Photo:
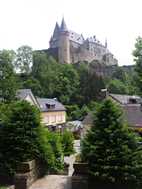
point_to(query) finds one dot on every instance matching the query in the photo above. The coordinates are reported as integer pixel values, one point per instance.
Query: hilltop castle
(69, 47)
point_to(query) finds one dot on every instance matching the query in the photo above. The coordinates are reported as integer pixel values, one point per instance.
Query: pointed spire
(63, 25)
(56, 30)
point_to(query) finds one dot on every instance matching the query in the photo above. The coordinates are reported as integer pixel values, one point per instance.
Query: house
(53, 113)
(132, 107)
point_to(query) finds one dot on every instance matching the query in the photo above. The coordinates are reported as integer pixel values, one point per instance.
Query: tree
(137, 53)
(90, 84)
(118, 87)
(111, 148)
(67, 143)
(24, 59)
(18, 136)
(8, 81)
(57, 80)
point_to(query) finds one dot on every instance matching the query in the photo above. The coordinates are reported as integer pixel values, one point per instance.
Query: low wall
(27, 173)
(80, 176)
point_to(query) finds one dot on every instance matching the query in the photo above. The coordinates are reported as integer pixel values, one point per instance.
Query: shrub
(67, 143)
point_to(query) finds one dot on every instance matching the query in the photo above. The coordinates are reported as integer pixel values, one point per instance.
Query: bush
(55, 141)
(67, 143)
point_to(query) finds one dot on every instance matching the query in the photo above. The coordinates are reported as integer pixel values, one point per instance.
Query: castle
(69, 47)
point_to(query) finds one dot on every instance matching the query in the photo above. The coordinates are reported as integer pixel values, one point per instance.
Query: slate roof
(133, 115)
(43, 102)
(63, 26)
(56, 31)
(132, 111)
(124, 99)
(23, 93)
(75, 37)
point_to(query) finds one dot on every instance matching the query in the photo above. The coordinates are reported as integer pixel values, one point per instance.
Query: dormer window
(133, 101)
(50, 106)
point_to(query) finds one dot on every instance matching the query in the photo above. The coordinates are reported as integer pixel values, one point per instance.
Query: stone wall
(27, 173)
(80, 176)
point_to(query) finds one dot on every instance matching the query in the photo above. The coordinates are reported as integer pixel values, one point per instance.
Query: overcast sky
(31, 22)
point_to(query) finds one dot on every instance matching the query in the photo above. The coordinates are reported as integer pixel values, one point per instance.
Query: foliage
(24, 59)
(122, 81)
(56, 144)
(90, 84)
(22, 138)
(117, 87)
(111, 148)
(18, 136)
(50, 150)
(8, 82)
(57, 80)
(67, 143)
(137, 53)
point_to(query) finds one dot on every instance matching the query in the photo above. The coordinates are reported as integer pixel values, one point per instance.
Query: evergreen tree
(111, 148)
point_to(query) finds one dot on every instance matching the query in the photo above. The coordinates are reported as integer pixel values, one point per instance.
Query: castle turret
(56, 31)
(64, 44)
(54, 39)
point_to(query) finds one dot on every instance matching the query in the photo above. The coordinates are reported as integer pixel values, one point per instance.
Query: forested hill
(77, 86)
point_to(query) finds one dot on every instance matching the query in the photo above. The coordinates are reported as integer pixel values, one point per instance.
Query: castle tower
(64, 44)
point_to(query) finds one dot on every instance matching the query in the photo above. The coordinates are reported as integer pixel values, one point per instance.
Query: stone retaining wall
(80, 176)
(27, 173)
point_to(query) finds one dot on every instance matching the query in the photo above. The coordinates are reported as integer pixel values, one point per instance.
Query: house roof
(75, 37)
(132, 109)
(124, 99)
(23, 93)
(133, 115)
(43, 102)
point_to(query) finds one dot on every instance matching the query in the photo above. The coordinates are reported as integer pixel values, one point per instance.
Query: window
(53, 119)
(60, 118)
(133, 100)
(50, 106)
(46, 119)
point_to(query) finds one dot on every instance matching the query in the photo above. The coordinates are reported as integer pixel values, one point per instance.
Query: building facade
(53, 113)
(70, 47)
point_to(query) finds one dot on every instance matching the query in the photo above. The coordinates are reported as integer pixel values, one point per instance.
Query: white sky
(31, 22)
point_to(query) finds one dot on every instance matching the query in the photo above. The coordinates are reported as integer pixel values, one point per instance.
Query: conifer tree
(112, 149)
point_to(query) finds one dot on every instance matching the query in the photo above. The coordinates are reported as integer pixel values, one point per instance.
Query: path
(53, 182)
(58, 181)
